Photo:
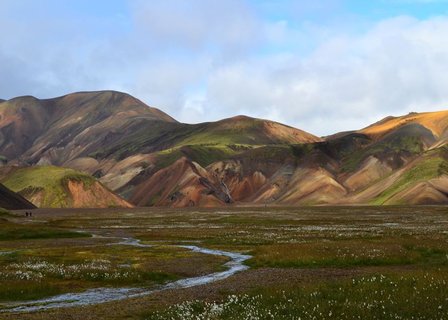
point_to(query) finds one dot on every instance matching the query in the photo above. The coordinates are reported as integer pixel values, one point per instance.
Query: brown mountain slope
(182, 184)
(111, 125)
(312, 186)
(21, 121)
(59, 129)
(252, 177)
(421, 181)
(433, 191)
(401, 166)
(371, 170)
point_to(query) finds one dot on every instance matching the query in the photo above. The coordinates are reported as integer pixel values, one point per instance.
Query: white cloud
(204, 60)
(398, 66)
(199, 25)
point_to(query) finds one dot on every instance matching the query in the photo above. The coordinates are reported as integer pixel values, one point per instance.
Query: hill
(55, 187)
(246, 131)
(60, 129)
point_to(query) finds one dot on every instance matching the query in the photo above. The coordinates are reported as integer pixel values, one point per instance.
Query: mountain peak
(240, 117)
(26, 98)
(107, 101)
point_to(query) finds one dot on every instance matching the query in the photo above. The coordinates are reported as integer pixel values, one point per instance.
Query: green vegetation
(349, 253)
(15, 290)
(410, 144)
(242, 131)
(430, 167)
(48, 183)
(38, 278)
(268, 153)
(300, 150)
(78, 177)
(443, 168)
(218, 137)
(207, 154)
(202, 154)
(5, 213)
(13, 231)
(369, 297)
(21, 233)
(167, 157)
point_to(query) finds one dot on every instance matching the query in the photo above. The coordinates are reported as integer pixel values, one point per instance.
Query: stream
(102, 295)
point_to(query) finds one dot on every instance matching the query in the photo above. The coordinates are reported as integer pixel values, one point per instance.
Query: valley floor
(307, 262)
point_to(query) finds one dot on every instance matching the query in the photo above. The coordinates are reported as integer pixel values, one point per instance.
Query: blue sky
(323, 66)
(382, 9)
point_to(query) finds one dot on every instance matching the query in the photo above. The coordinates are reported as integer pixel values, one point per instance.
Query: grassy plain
(308, 262)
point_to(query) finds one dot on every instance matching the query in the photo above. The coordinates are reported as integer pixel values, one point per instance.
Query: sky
(323, 66)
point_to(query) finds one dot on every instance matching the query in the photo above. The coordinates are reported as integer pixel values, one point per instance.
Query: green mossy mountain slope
(56, 187)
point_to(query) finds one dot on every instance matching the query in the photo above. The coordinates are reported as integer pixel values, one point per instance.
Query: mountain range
(102, 149)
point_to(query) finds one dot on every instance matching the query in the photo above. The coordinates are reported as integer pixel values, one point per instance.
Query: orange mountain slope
(436, 122)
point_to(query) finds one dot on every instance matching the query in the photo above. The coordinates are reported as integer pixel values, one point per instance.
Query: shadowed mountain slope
(13, 201)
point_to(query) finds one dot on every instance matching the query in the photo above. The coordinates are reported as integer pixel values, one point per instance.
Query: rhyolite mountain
(147, 158)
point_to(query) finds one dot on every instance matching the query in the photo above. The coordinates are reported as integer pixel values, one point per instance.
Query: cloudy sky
(322, 66)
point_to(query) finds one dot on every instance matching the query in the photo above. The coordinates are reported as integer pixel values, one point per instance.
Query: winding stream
(102, 295)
